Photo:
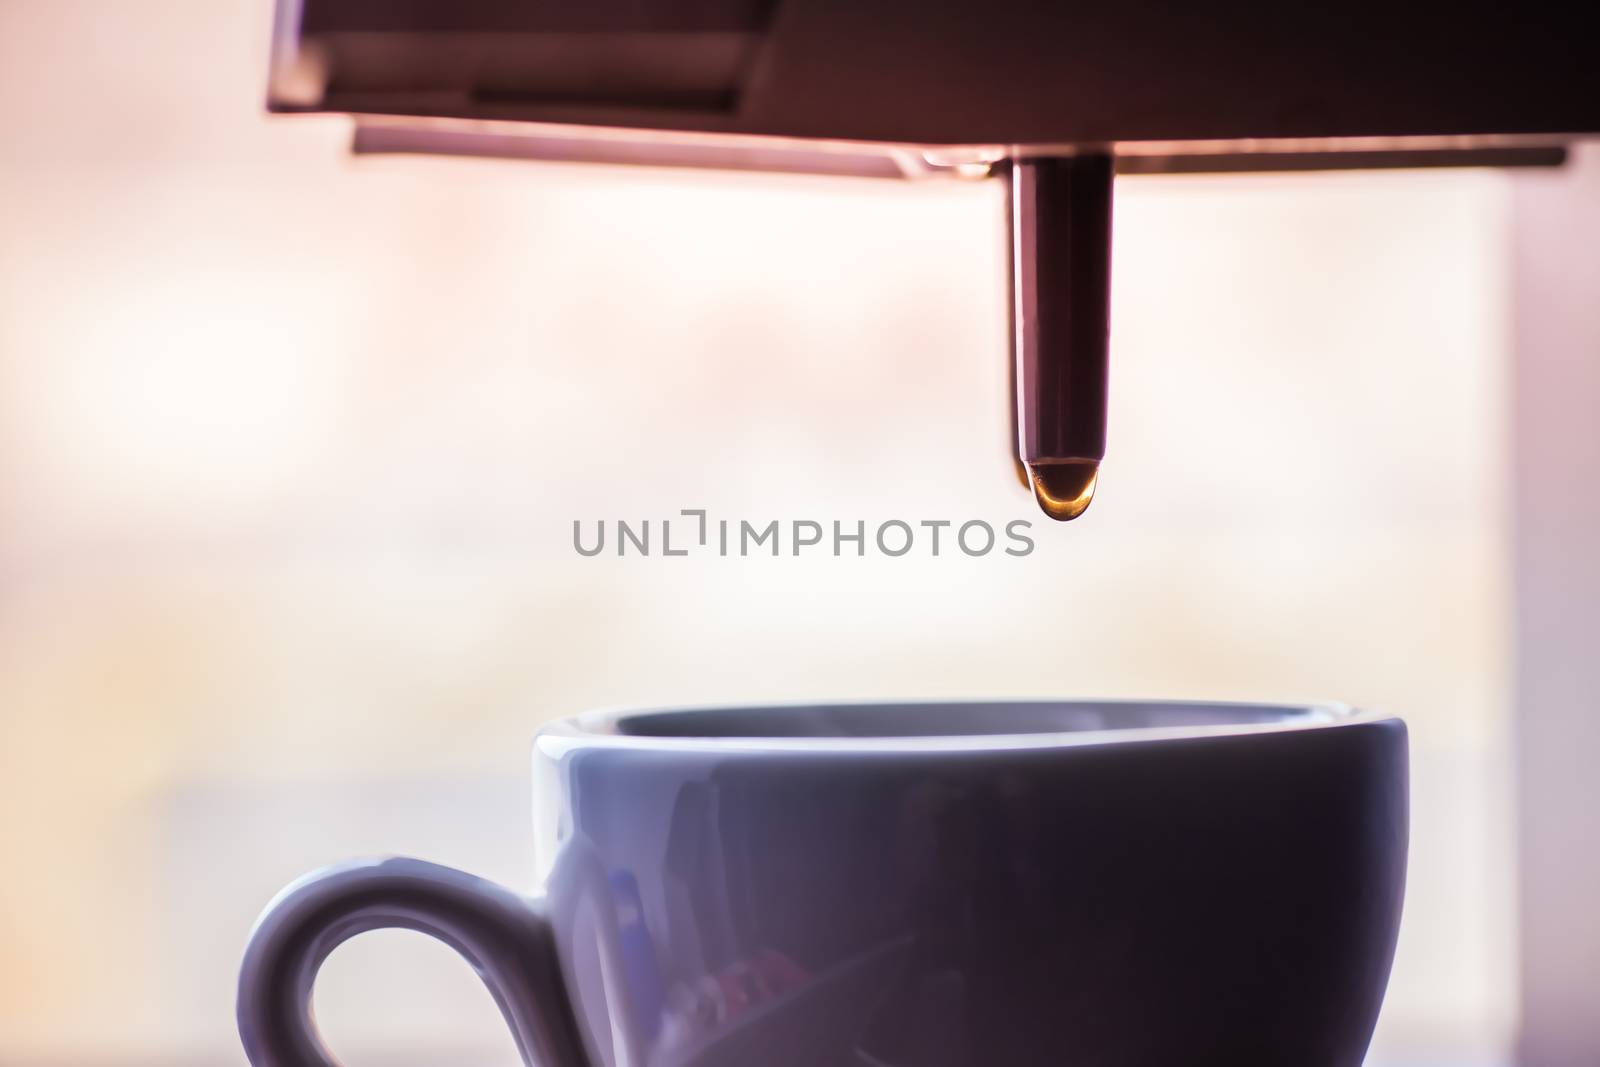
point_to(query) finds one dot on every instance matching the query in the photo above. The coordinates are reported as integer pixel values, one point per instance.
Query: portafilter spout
(1060, 265)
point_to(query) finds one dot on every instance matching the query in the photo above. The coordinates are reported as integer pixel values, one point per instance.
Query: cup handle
(505, 936)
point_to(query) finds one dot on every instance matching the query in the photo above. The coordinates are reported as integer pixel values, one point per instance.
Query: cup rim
(605, 728)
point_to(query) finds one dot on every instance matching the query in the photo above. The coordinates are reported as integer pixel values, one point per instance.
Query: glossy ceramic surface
(1126, 885)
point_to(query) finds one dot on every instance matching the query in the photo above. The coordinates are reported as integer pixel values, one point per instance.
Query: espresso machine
(1053, 99)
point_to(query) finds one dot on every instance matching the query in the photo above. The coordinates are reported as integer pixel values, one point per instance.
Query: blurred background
(291, 445)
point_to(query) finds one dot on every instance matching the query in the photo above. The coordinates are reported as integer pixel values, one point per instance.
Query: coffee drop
(1064, 487)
